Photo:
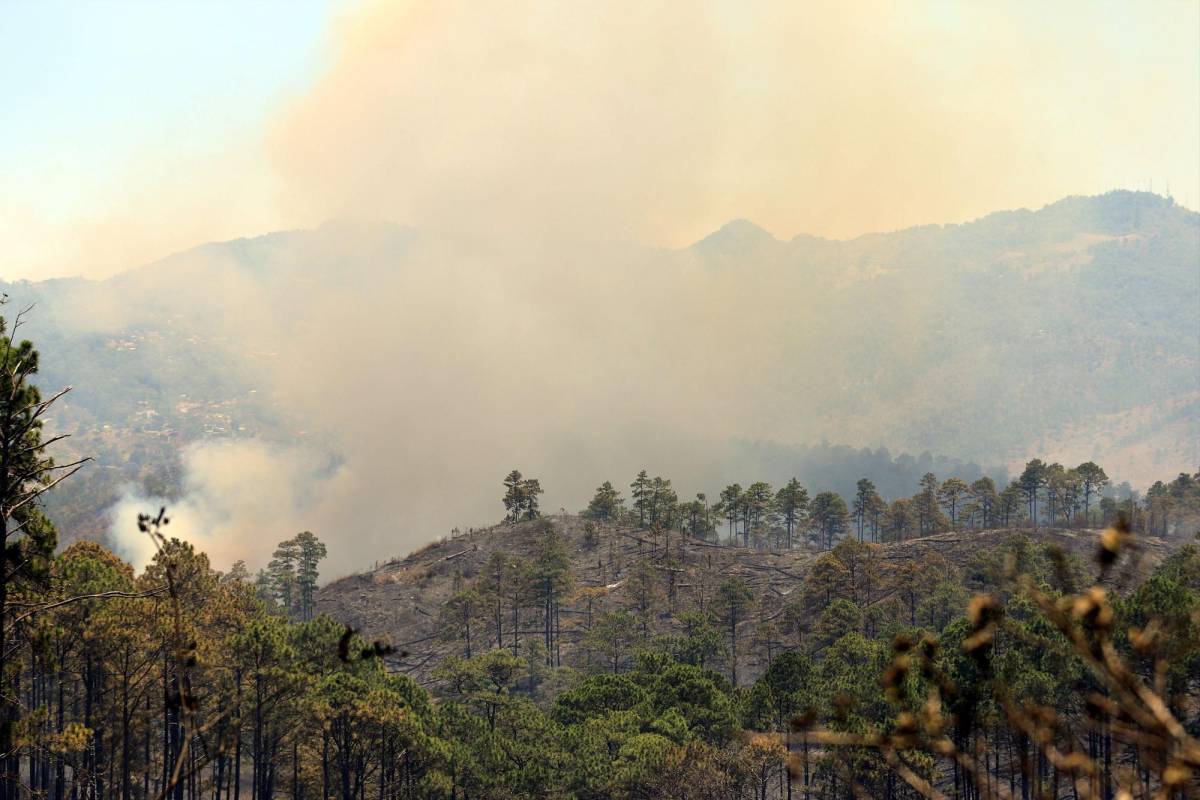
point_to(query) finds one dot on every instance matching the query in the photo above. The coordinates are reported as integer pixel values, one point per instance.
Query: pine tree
(757, 506)
(309, 552)
(237, 572)
(899, 519)
(641, 492)
(521, 497)
(517, 586)
(1010, 503)
(646, 594)
(1056, 477)
(694, 515)
(662, 502)
(862, 504)
(925, 504)
(731, 505)
(877, 509)
(494, 587)
(1070, 495)
(733, 603)
(792, 503)
(606, 505)
(1094, 479)
(551, 579)
(1032, 481)
(283, 576)
(514, 496)
(950, 495)
(27, 538)
(530, 489)
(983, 492)
(829, 517)
(457, 615)
(613, 635)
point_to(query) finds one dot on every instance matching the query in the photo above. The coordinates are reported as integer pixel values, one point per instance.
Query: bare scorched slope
(402, 600)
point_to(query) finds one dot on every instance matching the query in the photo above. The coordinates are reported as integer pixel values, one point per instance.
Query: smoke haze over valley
(307, 375)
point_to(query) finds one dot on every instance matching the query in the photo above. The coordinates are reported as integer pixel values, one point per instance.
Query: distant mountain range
(1069, 333)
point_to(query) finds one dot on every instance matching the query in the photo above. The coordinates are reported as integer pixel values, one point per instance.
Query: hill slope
(406, 600)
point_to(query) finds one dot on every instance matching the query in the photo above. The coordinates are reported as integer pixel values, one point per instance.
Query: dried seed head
(1045, 715)
(929, 647)
(978, 644)
(895, 674)
(842, 704)
(893, 679)
(1078, 762)
(982, 610)
(1093, 608)
(1144, 640)
(1098, 705)
(1112, 540)
(931, 715)
(804, 721)
(1176, 774)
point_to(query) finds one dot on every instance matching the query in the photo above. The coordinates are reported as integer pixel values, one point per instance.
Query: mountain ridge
(1070, 333)
(737, 230)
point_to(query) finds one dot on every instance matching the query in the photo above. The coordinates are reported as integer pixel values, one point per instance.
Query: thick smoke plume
(539, 152)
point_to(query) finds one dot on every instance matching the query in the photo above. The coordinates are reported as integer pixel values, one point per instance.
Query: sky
(138, 129)
(134, 129)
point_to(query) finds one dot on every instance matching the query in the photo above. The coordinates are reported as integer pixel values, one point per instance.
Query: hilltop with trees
(655, 566)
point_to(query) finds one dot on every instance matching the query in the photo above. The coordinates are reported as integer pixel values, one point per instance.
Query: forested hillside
(953, 664)
(627, 585)
(656, 568)
(965, 641)
(1070, 332)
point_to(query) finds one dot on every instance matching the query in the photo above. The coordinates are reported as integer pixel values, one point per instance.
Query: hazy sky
(136, 129)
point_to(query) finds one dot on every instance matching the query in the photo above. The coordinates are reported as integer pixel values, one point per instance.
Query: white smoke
(241, 497)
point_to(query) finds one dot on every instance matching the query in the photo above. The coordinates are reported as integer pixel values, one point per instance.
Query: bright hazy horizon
(140, 130)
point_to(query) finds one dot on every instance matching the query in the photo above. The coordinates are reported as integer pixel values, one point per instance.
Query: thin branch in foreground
(97, 596)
